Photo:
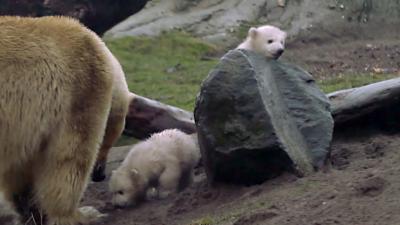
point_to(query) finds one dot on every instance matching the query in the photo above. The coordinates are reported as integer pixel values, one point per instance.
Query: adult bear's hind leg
(63, 175)
(115, 126)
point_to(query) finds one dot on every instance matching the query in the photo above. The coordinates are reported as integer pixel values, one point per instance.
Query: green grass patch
(125, 140)
(168, 68)
(171, 67)
(204, 221)
(347, 81)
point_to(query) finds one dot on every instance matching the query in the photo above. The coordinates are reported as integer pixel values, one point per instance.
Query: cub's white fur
(266, 40)
(165, 161)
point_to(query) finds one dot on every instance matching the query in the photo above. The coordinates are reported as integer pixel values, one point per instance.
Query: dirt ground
(372, 56)
(360, 187)
(345, 53)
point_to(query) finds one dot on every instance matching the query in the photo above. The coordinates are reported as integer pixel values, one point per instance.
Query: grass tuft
(168, 68)
(204, 221)
(347, 81)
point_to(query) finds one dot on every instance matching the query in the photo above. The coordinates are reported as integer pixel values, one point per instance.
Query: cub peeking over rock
(165, 161)
(266, 40)
(62, 94)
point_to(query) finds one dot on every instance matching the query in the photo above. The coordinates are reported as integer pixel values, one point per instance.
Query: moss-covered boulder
(257, 117)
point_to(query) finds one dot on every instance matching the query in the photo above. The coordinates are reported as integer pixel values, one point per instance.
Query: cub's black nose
(278, 53)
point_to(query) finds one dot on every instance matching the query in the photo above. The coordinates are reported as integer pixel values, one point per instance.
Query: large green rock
(257, 117)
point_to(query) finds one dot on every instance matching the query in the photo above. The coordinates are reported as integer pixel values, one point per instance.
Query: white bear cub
(165, 162)
(266, 40)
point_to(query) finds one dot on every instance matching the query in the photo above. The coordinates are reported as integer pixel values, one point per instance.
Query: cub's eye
(270, 41)
(120, 192)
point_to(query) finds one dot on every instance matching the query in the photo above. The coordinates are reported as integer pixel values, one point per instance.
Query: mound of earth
(359, 188)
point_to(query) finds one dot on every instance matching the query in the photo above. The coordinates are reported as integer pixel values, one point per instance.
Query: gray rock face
(97, 15)
(257, 117)
(214, 20)
(209, 19)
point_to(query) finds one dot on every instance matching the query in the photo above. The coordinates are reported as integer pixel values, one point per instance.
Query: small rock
(369, 46)
(332, 6)
(281, 3)
(371, 187)
(173, 69)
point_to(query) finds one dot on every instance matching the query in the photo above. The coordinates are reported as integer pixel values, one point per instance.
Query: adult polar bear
(59, 84)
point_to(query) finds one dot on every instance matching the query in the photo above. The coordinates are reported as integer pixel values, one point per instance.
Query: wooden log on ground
(147, 116)
(354, 103)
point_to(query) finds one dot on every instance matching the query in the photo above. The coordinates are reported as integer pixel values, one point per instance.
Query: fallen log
(354, 103)
(147, 116)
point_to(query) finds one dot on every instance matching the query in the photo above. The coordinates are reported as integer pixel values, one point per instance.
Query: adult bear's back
(51, 68)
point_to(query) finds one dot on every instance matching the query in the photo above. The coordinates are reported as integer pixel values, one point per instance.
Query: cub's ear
(252, 32)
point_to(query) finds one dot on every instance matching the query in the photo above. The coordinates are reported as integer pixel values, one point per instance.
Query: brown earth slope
(360, 188)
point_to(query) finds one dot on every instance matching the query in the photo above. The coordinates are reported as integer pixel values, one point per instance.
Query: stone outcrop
(218, 21)
(97, 15)
(258, 117)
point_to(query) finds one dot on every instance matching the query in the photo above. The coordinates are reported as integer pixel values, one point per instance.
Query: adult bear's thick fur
(58, 85)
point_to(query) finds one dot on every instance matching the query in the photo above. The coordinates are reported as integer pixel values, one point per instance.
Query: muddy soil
(344, 52)
(360, 187)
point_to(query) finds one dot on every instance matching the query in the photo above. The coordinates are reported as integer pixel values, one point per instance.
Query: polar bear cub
(165, 162)
(266, 40)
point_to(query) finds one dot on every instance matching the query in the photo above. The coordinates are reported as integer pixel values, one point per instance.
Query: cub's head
(267, 40)
(127, 187)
